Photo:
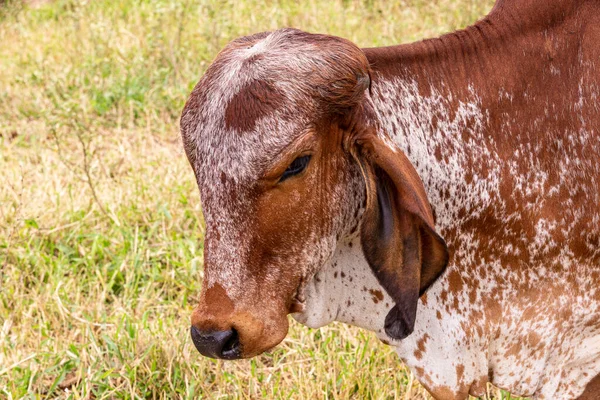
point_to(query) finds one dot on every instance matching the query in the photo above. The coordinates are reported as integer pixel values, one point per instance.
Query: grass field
(100, 222)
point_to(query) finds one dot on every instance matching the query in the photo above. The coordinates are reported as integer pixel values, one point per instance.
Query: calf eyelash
(296, 167)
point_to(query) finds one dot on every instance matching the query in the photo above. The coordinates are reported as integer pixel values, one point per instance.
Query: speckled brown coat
(450, 203)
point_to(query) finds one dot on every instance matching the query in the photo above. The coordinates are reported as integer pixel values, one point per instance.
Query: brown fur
(592, 390)
(257, 99)
(523, 250)
(397, 233)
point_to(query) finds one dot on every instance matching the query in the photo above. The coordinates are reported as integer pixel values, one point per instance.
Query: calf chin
(316, 313)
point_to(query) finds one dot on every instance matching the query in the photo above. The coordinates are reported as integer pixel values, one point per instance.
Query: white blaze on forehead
(215, 147)
(295, 64)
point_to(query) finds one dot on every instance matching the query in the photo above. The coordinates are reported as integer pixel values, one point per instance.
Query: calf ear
(397, 232)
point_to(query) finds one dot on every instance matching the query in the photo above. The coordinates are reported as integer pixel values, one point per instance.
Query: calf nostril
(217, 344)
(231, 348)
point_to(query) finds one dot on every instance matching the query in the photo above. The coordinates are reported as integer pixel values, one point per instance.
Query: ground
(100, 220)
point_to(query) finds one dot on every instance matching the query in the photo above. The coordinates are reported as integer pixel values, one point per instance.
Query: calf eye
(297, 166)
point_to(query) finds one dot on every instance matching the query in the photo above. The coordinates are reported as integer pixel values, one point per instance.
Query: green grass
(101, 234)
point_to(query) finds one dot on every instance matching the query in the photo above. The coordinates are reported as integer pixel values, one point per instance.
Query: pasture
(100, 220)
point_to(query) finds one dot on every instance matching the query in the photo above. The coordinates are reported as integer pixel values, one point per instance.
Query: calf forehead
(228, 164)
(245, 108)
(234, 139)
(260, 93)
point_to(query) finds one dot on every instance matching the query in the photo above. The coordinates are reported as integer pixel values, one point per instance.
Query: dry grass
(100, 224)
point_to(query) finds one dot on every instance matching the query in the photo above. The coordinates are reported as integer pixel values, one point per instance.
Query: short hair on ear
(398, 236)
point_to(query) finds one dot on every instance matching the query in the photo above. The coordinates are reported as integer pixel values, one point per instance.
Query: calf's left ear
(397, 232)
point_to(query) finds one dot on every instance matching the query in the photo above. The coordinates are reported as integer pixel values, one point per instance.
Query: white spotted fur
(544, 376)
(566, 355)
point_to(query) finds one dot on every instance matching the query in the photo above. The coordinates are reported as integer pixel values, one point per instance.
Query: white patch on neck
(408, 119)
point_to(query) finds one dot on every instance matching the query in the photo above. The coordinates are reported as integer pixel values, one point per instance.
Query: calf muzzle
(217, 344)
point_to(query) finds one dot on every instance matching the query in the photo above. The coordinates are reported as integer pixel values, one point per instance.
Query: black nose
(217, 344)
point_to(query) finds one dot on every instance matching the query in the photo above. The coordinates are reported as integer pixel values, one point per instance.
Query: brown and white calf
(443, 194)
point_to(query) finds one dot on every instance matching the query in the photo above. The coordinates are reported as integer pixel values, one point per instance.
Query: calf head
(287, 153)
